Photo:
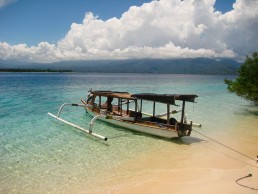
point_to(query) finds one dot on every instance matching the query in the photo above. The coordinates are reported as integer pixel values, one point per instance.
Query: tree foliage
(246, 84)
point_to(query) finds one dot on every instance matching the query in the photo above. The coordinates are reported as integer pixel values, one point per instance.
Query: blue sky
(56, 26)
(34, 21)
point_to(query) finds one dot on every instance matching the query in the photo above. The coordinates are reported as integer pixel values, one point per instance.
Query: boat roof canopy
(165, 98)
(113, 94)
(162, 98)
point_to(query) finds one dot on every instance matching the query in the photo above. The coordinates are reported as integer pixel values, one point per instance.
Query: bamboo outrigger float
(126, 110)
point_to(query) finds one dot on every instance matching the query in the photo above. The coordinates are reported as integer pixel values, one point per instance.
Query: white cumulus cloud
(6, 2)
(159, 29)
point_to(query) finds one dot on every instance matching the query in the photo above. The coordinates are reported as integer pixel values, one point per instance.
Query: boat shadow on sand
(188, 140)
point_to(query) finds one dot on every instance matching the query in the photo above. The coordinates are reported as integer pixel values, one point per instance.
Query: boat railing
(159, 125)
(162, 114)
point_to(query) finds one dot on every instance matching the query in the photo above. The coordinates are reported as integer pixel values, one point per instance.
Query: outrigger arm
(76, 126)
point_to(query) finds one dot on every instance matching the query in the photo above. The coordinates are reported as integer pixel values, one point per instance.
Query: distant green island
(204, 66)
(35, 70)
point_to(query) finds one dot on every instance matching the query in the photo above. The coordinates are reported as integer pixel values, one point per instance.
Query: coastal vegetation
(246, 84)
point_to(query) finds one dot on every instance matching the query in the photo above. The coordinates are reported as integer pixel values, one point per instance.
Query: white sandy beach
(213, 169)
(198, 180)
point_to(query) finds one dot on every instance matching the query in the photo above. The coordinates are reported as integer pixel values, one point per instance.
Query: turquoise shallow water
(39, 154)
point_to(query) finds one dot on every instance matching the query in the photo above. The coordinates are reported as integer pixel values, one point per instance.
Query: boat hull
(134, 126)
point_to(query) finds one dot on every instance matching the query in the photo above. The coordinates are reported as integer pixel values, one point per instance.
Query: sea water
(39, 154)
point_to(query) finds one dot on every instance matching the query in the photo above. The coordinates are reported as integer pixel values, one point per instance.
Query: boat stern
(184, 129)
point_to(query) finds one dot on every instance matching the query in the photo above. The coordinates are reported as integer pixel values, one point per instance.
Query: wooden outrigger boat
(126, 110)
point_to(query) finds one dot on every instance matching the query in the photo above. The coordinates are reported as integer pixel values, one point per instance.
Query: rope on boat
(249, 175)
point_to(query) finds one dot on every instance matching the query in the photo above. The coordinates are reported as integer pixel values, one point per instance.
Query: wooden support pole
(168, 113)
(127, 110)
(99, 102)
(183, 113)
(154, 109)
(120, 105)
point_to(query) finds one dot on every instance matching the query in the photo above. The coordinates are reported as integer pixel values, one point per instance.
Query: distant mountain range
(169, 66)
